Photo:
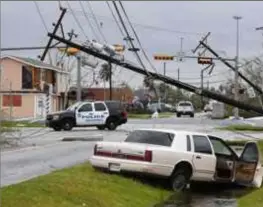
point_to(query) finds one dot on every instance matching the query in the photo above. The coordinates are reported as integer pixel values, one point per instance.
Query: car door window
(86, 108)
(250, 153)
(220, 147)
(99, 107)
(202, 144)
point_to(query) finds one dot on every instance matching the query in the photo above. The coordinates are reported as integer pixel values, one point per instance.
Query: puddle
(205, 196)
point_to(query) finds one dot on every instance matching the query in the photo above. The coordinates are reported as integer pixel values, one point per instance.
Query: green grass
(244, 127)
(148, 116)
(81, 185)
(252, 197)
(20, 124)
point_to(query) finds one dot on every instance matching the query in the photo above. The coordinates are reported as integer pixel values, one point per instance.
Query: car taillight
(95, 149)
(148, 156)
(124, 114)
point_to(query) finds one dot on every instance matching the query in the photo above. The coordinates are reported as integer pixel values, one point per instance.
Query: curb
(83, 139)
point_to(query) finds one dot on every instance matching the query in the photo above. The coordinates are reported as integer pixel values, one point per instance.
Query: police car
(108, 114)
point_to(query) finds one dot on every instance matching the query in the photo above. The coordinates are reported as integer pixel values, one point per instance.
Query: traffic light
(205, 60)
(163, 57)
(119, 48)
(69, 51)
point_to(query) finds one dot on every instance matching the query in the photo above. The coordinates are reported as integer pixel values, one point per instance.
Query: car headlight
(56, 117)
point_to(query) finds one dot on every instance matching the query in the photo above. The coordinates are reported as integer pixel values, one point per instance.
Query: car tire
(111, 124)
(67, 124)
(57, 128)
(101, 127)
(178, 115)
(192, 115)
(179, 179)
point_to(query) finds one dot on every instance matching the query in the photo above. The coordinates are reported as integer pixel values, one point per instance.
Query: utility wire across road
(160, 77)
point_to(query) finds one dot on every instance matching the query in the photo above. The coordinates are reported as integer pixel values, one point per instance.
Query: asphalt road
(42, 151)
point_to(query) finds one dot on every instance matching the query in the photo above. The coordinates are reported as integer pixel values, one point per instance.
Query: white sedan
(181, 156)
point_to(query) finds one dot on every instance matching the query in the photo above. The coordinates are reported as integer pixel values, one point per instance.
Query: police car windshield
(72, 107)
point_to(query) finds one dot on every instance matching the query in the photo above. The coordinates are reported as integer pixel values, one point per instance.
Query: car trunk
(123, 150)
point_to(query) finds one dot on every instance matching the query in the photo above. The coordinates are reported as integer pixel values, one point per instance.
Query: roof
(35, 63)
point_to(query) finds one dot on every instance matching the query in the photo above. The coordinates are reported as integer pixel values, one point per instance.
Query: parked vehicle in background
(102, 114)
(185, 108)
(208, 107)
(180, 157)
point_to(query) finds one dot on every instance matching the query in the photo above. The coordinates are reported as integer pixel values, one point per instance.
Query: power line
(89, 22)
(157, 28)
(136, 36)
(41, 16)
(96, 21)
(128, 36)
(133, 47)
(115, 19)
(45, 26)
(76, 20)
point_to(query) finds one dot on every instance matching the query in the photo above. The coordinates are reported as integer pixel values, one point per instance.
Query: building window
(27, 82)
(12, 100)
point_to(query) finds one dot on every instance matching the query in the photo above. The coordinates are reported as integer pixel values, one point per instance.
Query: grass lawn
(148, 116)
(244, 127)
(255, 197)
(81, 185)
(20, 124)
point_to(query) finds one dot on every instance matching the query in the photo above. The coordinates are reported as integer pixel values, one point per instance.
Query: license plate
(114, 167)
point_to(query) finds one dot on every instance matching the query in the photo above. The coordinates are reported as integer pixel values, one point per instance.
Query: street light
(237, 18)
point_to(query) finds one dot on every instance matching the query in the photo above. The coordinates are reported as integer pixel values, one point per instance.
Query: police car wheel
(111, 125)
(101, 127)
(57, 128)
(67, 125)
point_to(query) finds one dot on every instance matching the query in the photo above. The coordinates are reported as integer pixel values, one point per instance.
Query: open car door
(248, 169)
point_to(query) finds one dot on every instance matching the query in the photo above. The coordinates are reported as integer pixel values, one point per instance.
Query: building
(24, 83)
(124, 94)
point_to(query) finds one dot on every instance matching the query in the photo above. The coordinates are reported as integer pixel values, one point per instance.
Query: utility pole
(181, 55)
(202, 83)
(10, 101)
(110, 79)
(164, 73)
(236, 111)
(79, 78)
(178, 74)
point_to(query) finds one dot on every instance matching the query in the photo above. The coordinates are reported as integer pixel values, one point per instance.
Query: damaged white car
(180, 156)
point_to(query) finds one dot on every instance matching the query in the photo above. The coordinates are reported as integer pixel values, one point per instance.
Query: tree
(148, 82)
(105, 72)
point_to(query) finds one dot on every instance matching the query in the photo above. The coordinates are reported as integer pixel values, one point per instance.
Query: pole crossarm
(161, 77)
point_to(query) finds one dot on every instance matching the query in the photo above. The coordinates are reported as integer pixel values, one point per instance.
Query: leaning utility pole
(157, 76)
(42, 58)
(236, 111)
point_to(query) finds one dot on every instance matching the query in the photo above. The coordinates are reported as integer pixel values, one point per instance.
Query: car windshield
(72, 107)
(150, 137)
(185, 104)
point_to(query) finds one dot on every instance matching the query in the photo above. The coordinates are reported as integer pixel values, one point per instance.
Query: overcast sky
(159, 25)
